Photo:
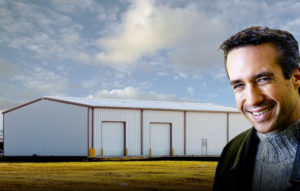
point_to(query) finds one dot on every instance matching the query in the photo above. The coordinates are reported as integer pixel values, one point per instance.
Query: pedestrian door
(204, 146)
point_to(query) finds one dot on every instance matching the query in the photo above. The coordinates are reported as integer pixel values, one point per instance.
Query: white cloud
(88, 84)
(24, 83)
(212, 95)
(293, 26)
(47, 34)
(84, 57)
(7, 69)
(7, 103)
(219, 73)
(149, 26)
(190, 90)
(40, 82)
(274, 14)
(72, 6)
(136, 94)
(71, 39)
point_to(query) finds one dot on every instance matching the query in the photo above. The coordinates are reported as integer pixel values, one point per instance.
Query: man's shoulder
(233, 153)
(240, 141)
(241, 138)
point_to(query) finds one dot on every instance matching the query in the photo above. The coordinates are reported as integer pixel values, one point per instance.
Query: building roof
(135, 104)
(146, 104)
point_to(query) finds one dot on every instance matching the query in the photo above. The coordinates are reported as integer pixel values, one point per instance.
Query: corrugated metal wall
(206, 132)
(90, 130)
(237, 124)
(205, 126)
(46, 128)
(132, 119)
(176, 118)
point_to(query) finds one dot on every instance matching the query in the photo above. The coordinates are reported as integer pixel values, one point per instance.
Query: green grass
(113, 175)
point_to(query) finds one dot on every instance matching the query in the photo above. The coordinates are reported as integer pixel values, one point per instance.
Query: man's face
(262, 94)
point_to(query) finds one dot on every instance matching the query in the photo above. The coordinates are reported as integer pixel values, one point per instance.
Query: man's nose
(253, 95)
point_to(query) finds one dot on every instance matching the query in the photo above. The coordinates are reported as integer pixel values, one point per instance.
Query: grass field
(112, 175)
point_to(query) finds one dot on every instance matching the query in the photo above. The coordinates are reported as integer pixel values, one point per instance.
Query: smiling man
(262, 65)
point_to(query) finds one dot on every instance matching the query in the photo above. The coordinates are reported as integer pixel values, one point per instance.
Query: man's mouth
(261, 115)
(261, 112)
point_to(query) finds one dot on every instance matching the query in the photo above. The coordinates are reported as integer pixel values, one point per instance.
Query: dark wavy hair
(284, 42)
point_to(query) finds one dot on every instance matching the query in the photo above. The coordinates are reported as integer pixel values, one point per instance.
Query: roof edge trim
(45, 98)
(66, 102)
(23, 105)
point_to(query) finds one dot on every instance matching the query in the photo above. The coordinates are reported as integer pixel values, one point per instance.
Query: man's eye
(262, 80)
(237, 86)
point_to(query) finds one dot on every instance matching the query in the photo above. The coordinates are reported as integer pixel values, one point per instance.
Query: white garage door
(113, 138)
(160, 139)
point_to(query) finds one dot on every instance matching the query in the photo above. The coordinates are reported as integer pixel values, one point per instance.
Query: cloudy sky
(126, 49)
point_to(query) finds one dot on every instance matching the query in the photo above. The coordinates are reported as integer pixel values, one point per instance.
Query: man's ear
(296, 78)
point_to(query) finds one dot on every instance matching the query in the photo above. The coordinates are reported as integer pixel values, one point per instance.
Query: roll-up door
(160, 139)
(113, 138)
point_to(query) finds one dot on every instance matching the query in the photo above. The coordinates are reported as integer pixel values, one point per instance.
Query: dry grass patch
(129, 175)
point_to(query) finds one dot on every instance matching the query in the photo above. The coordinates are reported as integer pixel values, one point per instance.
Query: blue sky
(126, 49)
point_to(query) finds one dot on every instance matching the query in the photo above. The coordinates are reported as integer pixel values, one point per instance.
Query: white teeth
(260, 113)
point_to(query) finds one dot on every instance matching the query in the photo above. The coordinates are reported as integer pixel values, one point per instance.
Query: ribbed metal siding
(132, 119)
(90, 127)
(210, 126)
(237, 124)
(176, 118)
(46, 128)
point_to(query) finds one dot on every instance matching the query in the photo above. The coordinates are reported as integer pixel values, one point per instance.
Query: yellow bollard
(102, 152)
(92, 152)
(126, 152)
(173, 151)
(150, 152)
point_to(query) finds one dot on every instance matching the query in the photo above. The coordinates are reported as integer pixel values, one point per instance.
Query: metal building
(66, 126)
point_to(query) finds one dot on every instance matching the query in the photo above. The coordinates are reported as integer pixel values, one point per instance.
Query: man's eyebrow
(233, 82)
(264, 74)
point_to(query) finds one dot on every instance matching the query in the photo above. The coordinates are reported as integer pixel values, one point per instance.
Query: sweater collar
(293, 129)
